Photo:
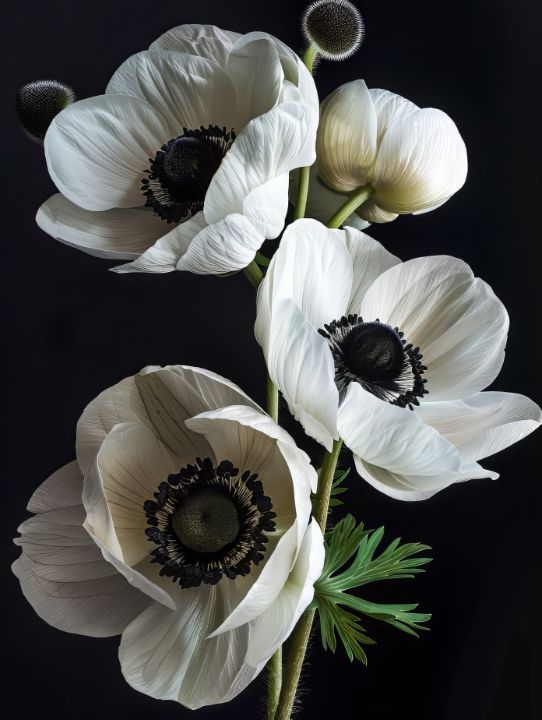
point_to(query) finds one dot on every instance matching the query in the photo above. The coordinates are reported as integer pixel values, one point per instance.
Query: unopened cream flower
(411, 160)
(183, 525)
(183, 163)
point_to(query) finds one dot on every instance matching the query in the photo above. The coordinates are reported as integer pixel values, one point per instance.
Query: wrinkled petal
(170, 656)
(314, 269)
(393, 438)
(421, 162)
(62, 572)
(300, 363)
(456, 320)
(118, 234)
(346, 143)
(163, 256)
(483, 424)
(206, 41)
(187, 91)
(369, 260)
(269, 146)
(225, 246)
(98, 149)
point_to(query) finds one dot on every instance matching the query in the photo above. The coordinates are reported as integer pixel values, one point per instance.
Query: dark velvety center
(189, 164)
(373, 352)
(206, 521)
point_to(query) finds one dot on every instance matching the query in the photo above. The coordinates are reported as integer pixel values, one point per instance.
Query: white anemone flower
(413, 159)
(391, 357)
(183, 525)
(183, 163)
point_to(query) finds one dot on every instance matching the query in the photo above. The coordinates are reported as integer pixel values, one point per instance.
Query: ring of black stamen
(189, 566)
(182, 170)
(378, 357)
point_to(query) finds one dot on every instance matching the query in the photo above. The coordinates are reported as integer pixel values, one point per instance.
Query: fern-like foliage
(352, 562)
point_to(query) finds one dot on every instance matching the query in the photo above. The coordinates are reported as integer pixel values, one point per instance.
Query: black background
(73, 328)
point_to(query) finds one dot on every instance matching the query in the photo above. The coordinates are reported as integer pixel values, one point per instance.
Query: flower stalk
(354, 201)
(304, 172)
(254, 274)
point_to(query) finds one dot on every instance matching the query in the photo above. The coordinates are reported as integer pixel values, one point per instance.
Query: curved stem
(302, 632)
(356, 199)
(304, 172)
(254, 274)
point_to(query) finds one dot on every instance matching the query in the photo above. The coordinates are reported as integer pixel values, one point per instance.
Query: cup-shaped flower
(412, 159)
(183, 163)
(391, 357)
(183, 525)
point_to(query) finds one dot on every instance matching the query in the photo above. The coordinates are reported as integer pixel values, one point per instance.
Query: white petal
(225, 246)
(275, 625)
(186, 90)
(483, 424)
(421, 162)
(266, 206)
(373, 213)
(323, 202)
(417, 487)
(98, 149)
(393, 438)
(168, 655)
(206, 41)
(456, 320)
(369, 260)
(314, 269)
(300, 363)
(346, 143)
(269, 146)
(63, 573)
(255, 71)
(389, 108)
(131, 464)
(163, 256)
(118, 234)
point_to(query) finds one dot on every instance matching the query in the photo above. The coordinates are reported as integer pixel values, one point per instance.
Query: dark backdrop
(73, 328)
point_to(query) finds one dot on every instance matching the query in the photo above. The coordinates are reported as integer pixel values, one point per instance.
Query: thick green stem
(254, 274)
(302, 632)
(304, 172)
(356, 199)
(272, 399)
(274, 669)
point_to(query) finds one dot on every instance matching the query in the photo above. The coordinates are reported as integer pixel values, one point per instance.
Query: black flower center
(378, 357)
(208, 522)
(182, 170)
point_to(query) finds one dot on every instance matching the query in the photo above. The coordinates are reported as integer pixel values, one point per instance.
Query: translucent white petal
(206, 41)
(393, 438)
(456, 320)
(98, 149)
(373, 213)
(314, 269)
(389, 108)
(417, 487)
(269, 146)
(62, 572)
(266, 206)
(163, 255)
(168, 655)
(225, 246)
(187, 91)
(421, 162)
(118, 234)
(323, 202)
(369, 260)
(346, 143)
(483, 424)
(299, 362)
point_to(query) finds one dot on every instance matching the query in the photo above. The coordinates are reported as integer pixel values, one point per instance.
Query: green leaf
(352, 562)
(336, 488)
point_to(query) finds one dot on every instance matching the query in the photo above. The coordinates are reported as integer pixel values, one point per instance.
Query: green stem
(272, 399)
(302, 632)
(304, 172)
(254, 274)
(356, 199)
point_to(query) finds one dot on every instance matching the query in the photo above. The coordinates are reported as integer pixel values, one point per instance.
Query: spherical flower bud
(412, 159)
(334, 27)
(39, 102)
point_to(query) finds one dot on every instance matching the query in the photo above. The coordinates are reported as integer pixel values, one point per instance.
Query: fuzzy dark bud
(39, 102)
(334, 27)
